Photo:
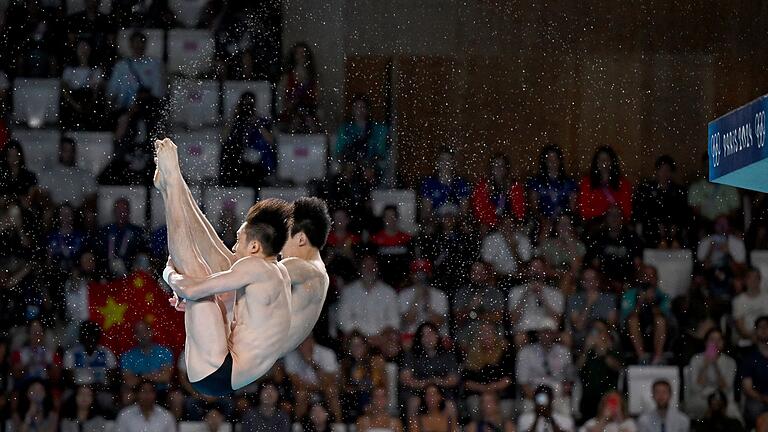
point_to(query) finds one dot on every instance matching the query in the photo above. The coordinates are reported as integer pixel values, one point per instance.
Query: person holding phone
(611, 417)
(543, 418)
(711, 371)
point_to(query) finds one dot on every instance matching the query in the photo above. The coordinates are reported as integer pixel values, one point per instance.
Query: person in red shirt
(498, 195)
(604, 187)
(394, 248)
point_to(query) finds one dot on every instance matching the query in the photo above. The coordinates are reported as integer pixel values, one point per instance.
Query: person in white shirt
(145, 415)
(710, 371)
(368, 304)
(534, 303)
(313, 369)
(543, 418)
(65, 181)
(546, 363)
(665, 417)
(612, 416)
(506, 248)
(422, 302)
(748, 307)
(718, 249)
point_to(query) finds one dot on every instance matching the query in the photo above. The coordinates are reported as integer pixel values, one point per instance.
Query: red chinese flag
(118, 305)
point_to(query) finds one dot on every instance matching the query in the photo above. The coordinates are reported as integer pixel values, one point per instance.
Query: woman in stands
(299, 91)
(362, 139)
(35, 412)
(319, 419)
(248, 154)
(604, 187)
(434, 416)
(15, 178)
(361, 372)
(498, 194)
(611, 416)
(82, 93)
(79, 414)
(552, 192)
(377, 417)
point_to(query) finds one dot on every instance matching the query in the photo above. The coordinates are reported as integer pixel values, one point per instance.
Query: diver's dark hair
(310, 216)
(267, 223)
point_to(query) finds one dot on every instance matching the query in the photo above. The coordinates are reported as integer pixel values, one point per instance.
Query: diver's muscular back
(262, 317)
(309, 286)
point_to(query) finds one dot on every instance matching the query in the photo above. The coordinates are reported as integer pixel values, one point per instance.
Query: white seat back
(94, 149)
(36, 101)
(675, 269)
(190, 52)
(41, 147)
(759, 259)
(301, 158)
(195, 103)
(155, 42)
(216, 198)
(199, 154)
(640, 380)
(187, 12)
(404, 199)
(262, 90)
(288, 194)
(137, 196)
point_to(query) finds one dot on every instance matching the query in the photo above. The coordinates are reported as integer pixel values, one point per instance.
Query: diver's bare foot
(168, 170)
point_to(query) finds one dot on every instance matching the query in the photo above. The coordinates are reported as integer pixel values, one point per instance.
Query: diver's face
(241, 245)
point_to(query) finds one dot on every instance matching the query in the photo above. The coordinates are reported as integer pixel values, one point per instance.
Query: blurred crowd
(507, 303)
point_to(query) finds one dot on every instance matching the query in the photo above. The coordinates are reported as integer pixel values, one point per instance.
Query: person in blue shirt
(444, 186)
(551, 192)
(148, 361)
(361, 139)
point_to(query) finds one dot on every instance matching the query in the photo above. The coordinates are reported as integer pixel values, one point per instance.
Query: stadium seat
(157, 217)
(187, 12)
(36, 101)
(198, 426)
(199, 154)
(94, 149)
(301, 158)
(41, 147)
(759, 260)
(76, 6)
(640, 379)
(216, 198)
(288, 194)
(155, 42)
(404, 199)
(675, 268)
(262, 90)
(190, 52)
(194, 103)
(137, 195)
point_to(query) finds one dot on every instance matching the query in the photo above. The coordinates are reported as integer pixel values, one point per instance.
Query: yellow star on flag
(138, 282)
(112, 312)
(149, 298)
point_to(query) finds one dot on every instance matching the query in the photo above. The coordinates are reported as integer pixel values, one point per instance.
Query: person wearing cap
(543, 418)
(422, 302)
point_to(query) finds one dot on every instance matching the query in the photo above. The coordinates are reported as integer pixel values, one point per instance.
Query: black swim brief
(218, 383)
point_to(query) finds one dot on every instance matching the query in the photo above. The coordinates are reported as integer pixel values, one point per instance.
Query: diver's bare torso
(309, 286)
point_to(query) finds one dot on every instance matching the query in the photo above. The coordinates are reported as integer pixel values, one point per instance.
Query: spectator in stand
(534, 304)
(66, 181)
(266, 417)
(645, 312)
(299, 88)
(65, 244)
(488, 368)
(480, 301)
(613, 416)
(36, 359)
(145, 414)
(313, 369)
(660, 203)
(75, 296)
(35, 410)
(614, 249)
(368, 304)
(342, 240)
(377, 417)
(434, 415)
(748, 307)
(132, 75)
(457, 248)
(543, 418)
(422, 302)
(33, 38)
(754, 372)
(428, 363)
(562, 248)
(121, 240)
(79, 414)
(444, 186)
(552, 192)
(507, 249)
(393, 246)
(15, 178)
(83, 105)
(319, 419)
(148, 361)
(91, 364)
(361, 372)
(351, 190)
(710, 200)
(664, 417)
(248, 155)
(96, 29)
(588, 305)
(499, 196)
(545, 362)
(491, 418)
(711, 371)
(604, 187)
(362, 139)
(723, 255)
(716, 418)
(599, 365)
